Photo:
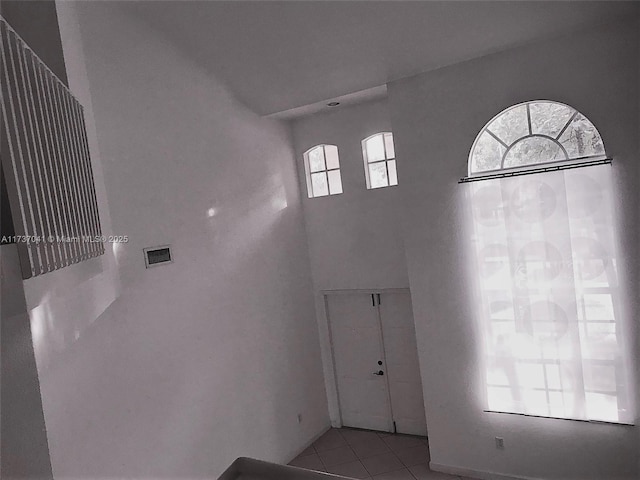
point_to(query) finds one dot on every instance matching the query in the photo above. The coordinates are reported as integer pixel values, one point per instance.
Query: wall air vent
(155, 256)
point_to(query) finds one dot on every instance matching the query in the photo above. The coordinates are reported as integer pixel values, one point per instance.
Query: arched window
(379, 158)
(534, 133)
(543, 239)
(322, 167)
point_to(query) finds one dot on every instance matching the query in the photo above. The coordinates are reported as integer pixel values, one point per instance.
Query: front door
(401, 351)
(376, 361)
(359, 361)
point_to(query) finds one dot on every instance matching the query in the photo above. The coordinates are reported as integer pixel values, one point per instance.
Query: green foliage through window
(533, 133)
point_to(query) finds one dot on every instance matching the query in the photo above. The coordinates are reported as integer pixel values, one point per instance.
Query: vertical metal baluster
(56, 219)
(8, 110)
(44, 229)
(66, 165)
(30, 222)
(94, 222)
(29, 160)
(94, 198)
(58, 162)
(49, 154)
(85, 168)
(74, 163)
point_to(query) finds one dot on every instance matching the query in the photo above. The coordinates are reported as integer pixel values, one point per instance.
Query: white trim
(581, 420)
(333, 397)
(365, 290)
(528, 165)
(367, 178)
(332, 358)
(365, 158)
(313, 440)
(479, 474)
(308, 172)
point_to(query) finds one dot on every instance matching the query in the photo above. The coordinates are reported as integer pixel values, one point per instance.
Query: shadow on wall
(24, 452)
(172, 375)
(258, 211)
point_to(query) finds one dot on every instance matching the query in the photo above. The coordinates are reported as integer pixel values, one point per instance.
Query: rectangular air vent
(155, 256)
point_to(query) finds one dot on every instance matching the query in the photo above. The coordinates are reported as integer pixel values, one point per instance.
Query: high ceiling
(280, 56)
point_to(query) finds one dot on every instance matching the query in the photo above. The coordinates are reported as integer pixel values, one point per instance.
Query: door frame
(326, 344)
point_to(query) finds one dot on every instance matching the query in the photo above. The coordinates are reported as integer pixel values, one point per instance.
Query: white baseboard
(312, 441)
(467, 472)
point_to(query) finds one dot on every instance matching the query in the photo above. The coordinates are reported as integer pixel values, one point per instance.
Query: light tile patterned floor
(371, 455)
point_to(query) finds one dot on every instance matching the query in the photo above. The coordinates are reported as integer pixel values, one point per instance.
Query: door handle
(379, 372)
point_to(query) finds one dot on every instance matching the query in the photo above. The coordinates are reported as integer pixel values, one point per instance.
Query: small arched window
(322, 167)
(534, 133)
(379, 158)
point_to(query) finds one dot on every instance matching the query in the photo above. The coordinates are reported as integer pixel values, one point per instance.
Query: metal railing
(45, 157)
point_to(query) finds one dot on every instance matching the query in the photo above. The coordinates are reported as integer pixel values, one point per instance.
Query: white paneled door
(376, 361)
(405, 384)
(359, 362)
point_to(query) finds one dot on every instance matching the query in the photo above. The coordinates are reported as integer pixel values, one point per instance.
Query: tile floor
(371, 455)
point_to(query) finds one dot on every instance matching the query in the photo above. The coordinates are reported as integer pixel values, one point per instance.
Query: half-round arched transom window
(534, 133)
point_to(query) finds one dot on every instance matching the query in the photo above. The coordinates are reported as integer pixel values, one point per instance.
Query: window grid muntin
(507, 147)
(533, 135)
(309, 174)
(387, 158)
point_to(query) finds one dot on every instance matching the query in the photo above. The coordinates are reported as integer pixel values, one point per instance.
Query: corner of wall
(65, 302)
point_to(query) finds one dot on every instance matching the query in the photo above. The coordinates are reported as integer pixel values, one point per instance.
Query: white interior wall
(156, 375)
(24, 452)
(64, 303)
(354, 238)
(436, 117)
(211, 357)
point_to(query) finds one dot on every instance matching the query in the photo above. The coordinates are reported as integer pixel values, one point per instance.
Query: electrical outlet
(500, 443)
(299, 418)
